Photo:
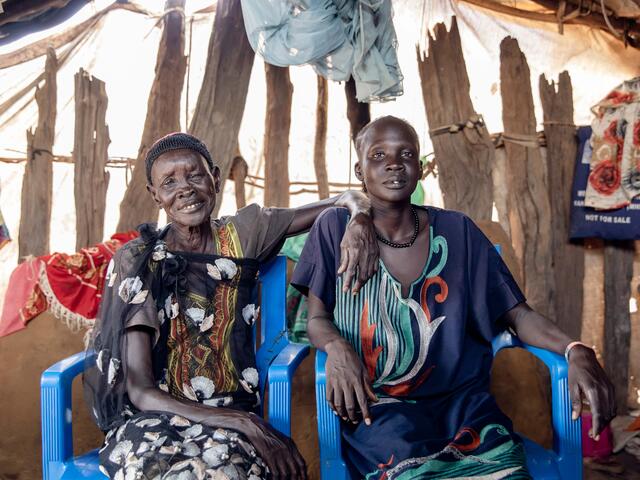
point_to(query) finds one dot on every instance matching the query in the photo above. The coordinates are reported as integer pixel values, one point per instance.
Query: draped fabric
(69, 285)
(338, 38)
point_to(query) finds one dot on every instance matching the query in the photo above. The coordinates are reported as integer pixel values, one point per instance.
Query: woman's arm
(586, 377)
(348, 384)
(359, 251)
(278, 451)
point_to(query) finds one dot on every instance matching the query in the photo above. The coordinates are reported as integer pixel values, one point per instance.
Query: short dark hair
(363, 132)
(176, 141)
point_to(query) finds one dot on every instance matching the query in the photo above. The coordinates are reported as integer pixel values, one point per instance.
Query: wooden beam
(618, 271)
(465, 158)
(37, 183)
(163, 116)
(593, 20)
(16, 11)
(320, 144)
(39, 48)
(91, 141)
(238, 174)
(567, 256)
(528, 200)
(218, 114)
(276, 136)
(359, 114)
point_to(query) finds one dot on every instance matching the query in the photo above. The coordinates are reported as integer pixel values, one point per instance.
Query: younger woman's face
(389, 164)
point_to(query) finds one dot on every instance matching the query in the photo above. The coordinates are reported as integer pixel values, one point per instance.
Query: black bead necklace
(416, 229)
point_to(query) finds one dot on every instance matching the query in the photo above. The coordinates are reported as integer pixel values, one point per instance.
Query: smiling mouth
(395, 183)
(191, 207)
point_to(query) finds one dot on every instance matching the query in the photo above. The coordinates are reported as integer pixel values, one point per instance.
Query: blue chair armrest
(329, 437)
(280, 377)
(567, 439)
(55, 410)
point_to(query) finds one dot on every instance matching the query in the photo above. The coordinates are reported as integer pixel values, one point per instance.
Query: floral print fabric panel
(614, 179)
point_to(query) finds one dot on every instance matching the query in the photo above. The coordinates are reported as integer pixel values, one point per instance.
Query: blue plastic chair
(277, 359)
(564, 462)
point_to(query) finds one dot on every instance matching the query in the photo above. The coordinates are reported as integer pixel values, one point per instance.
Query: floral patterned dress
(200, 310)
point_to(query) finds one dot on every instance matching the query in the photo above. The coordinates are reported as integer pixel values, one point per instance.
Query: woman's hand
(348, 383)
(277, 450)
(359, 252)
(587, 380)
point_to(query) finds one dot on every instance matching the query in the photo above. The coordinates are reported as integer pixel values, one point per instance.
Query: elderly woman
(174, 384)
(411, 353)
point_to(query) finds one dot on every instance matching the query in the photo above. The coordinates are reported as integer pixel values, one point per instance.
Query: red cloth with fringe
(68, 285)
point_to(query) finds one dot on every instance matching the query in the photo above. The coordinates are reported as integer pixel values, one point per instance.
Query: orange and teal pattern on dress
(391, 333)
(463, 457)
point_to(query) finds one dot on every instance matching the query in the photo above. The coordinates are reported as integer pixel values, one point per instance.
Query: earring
(364, 189)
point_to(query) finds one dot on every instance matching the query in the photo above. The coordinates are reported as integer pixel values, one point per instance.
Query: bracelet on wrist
(567, 350)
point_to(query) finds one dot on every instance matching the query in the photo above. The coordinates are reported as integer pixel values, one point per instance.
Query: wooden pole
(238, 174)
(37, 183)
(358, 114)
(618, 271)
(567, 256)
(163, 116)
(276, 136)
(464, 159)
(528, 198)
(90, 144)
(320, 145)
(218, 114)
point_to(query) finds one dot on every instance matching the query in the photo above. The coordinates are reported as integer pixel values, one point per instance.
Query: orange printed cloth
(69, 285)
(614, 178)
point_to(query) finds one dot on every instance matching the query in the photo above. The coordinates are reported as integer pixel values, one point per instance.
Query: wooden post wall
(276, 136)
(528, 198)
(562, 148)
(163, 116)
(618, 271)
(464, 159)
(358, 114)
(90, 144)
(218, 114)
(320, 145)
(37, 183)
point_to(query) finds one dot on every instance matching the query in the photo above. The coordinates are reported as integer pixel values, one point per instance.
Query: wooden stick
(528, 201)
(359, 114)
(567, 257)
(221, 102)
(39, 48)
(90, 157)
(238, 174)
(320, 145)
(163, 116)
(464, 159)
(276, 136)
(35, 215)
(618, 271)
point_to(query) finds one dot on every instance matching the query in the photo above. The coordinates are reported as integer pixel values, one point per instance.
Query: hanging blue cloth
(338, 38)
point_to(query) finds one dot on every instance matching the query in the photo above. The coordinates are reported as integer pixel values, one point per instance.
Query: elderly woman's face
(183, 185)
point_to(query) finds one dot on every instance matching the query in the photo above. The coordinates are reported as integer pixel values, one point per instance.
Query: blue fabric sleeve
(320, 258)
(492, 289)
